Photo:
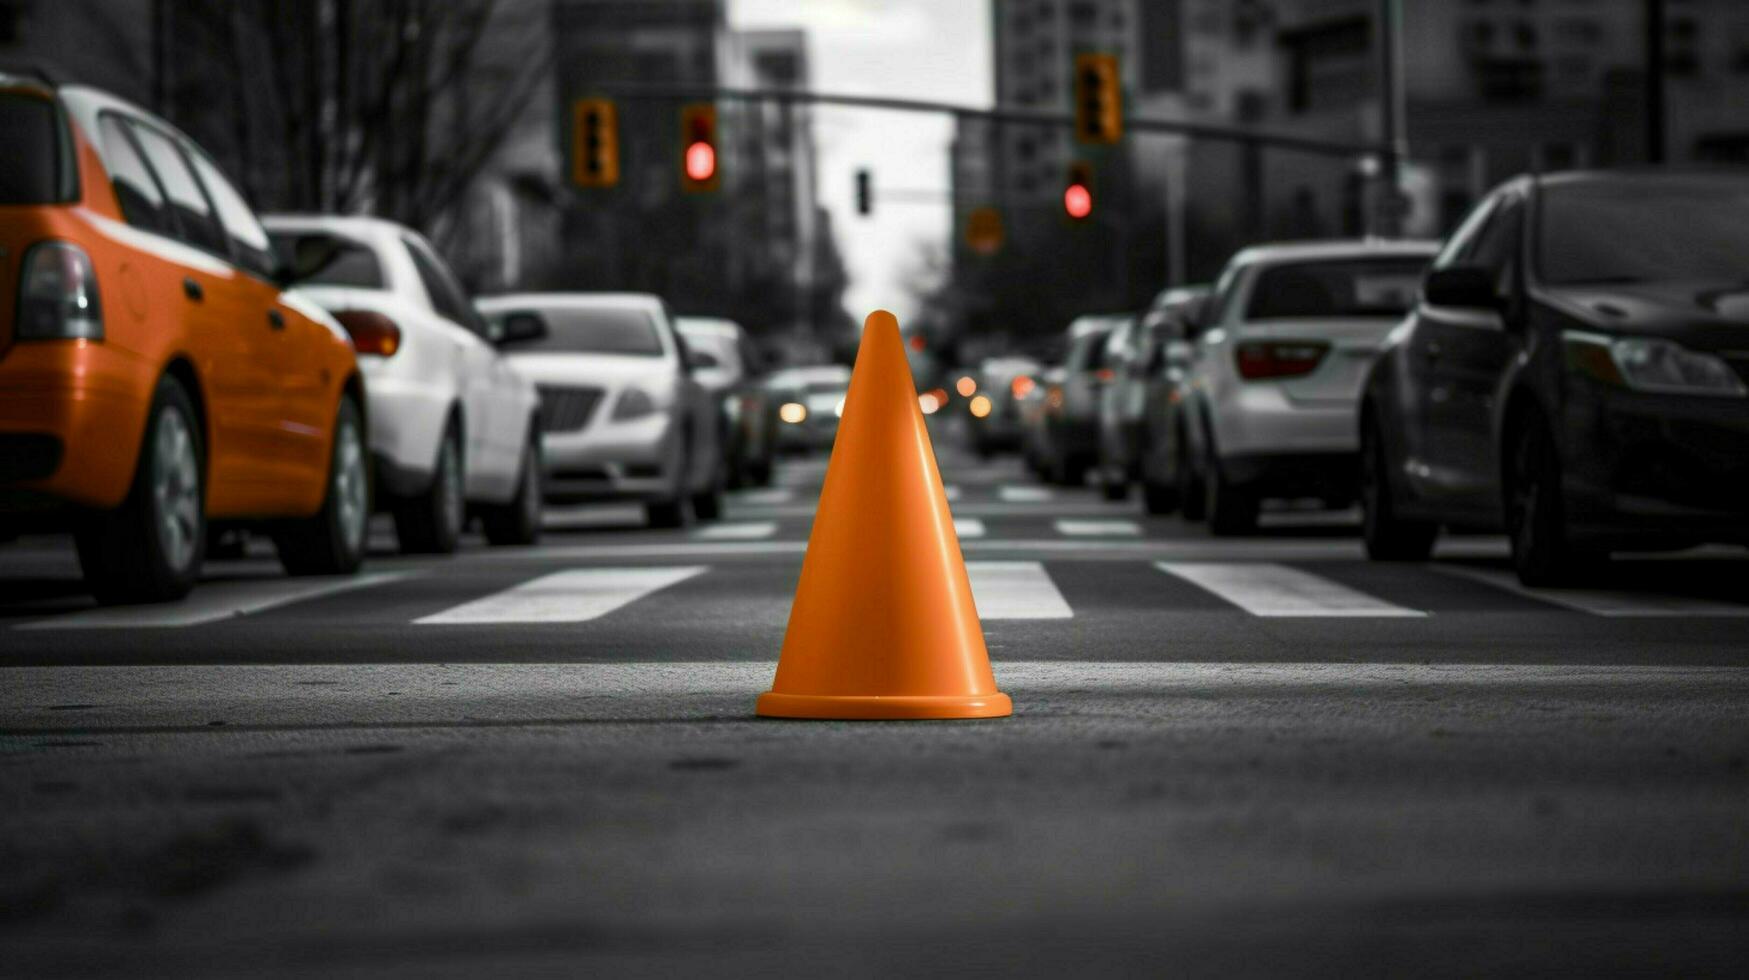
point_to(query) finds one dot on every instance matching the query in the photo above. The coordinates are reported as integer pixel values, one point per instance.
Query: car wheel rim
(176, 489)
(349, 486)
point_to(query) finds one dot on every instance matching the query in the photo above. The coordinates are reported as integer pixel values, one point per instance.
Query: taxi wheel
(431, 522)
(331, 542)
(150, 548)
(519, 520)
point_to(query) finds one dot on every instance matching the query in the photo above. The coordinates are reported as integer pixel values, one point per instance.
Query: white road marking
(1023, 494)
(1015, 590)
(1266, 589)
(1600, 602)
(211, 602)
(582, 516)
(737, 531)
(771, 495)
(572, 596)
(1099, 529)
(968, 527)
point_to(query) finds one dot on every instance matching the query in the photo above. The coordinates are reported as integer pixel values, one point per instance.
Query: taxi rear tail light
(57, 295)
(1259, 360)
(372, 333)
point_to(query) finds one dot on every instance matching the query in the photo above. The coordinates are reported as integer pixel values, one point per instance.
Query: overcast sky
(929, 49)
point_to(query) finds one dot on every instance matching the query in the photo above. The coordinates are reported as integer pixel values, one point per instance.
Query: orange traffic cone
(883, 624)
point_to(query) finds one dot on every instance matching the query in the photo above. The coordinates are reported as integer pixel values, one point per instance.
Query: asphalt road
(1244, 757)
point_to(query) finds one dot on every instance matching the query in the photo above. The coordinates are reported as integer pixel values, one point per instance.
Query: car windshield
(1337, 288)
(1644, 230)
(352, 264)
(30, 164)
(597, 330)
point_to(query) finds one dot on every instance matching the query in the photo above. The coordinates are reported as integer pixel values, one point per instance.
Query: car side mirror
(309, 255)
(519, 327)
(1468, 287)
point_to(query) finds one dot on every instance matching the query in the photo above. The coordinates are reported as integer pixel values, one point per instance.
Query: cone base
(873, 707)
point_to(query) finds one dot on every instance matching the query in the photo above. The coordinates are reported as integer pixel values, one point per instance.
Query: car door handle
(275, 320)
(192, 290)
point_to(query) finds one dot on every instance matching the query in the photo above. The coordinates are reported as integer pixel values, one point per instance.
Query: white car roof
(714, 325)
(350, 225)
(1352, 248)
(504, 301)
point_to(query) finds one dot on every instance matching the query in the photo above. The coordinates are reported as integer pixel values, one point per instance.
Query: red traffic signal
(1078, 192)
(698, 147)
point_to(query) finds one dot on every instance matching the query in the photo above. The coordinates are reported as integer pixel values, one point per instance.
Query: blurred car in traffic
(1576, 373)
(158, 381)
(452, 424)
(1033, 404)
(810, 400)
(1136, 353)
(621, 415)
(727, 364)
(1273, 391)
(1071, 412)
(1002, 383)
(1169, 329)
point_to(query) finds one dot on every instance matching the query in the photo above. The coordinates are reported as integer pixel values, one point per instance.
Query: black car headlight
(1652, 365)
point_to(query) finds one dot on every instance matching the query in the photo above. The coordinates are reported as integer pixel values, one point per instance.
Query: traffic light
(594, 143)
(864, 193)
(1078, 192)
(1098, 99)
(699, 165)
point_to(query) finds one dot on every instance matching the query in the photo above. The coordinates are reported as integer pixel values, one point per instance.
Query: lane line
(1016, 494)
(1099, 529)
(575, 595)
(968, 527)
(770, 495)
(1015, 590)
(211, 602)
(1267, 589)
(1600, 602)
(737, 531)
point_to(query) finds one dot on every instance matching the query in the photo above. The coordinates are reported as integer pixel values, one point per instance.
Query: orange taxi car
(156, 378)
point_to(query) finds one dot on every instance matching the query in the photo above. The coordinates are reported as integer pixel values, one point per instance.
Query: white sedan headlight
(633, 403)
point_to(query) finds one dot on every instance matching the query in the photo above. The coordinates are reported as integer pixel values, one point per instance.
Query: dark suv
(1574, 373)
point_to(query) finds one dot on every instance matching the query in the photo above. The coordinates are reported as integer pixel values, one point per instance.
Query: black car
(1574, 374)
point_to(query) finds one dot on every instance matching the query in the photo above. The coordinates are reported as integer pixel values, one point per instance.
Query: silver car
(622, 417)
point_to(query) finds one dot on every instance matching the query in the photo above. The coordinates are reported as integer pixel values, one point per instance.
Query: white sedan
(452, 425)
(622, 415)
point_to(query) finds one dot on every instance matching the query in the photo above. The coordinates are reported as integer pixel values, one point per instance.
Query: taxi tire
(518, 521)
(119, 550)
(422, 525)
(318, 545)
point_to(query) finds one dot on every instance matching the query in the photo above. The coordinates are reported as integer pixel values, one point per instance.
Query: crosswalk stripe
(572, 596)
(214, 601)
(737, 531)
(1600, 602)
(770, 495)
(1099, 529)
(1015, 590)
(1267, 589)
(1023, 494)
(968, 527)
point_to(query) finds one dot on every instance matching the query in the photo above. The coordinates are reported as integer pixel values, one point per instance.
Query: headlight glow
(793, 412)
(980, 407)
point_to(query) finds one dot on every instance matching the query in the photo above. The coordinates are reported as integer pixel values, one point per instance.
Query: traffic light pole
(1022, 115)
